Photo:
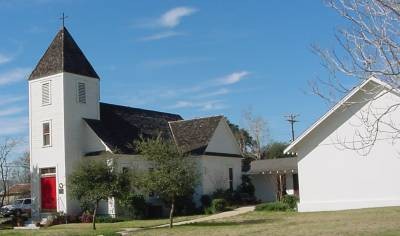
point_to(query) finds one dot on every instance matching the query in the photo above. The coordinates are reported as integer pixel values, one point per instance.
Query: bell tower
(63, 90)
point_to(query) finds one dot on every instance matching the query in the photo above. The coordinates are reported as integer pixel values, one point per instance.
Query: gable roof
(381, 82)
(119, 126)
(63, 55)
(194, 135)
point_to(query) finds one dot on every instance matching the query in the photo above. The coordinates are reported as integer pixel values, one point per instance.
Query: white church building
(350, 158)
(68, 123)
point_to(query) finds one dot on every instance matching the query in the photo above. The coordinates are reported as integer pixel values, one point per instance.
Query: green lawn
(378, 221)
(86, 229)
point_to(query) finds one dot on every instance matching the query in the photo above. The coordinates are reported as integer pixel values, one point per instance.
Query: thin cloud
(11, 111)
(233, 78)
(5, 58)
(161, 35)
(14, 76)
(13, 126)
(173, 17)
(5, 100)
(159, 63)
(202, 105)
(221, 91)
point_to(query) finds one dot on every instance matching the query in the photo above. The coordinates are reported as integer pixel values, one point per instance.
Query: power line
(292, 119)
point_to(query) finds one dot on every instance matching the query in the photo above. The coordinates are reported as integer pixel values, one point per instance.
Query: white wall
(265, 186)
(215, 172)
(74, 112)
(68, 141)
(223, 140)
(332, 177)
(53, 156)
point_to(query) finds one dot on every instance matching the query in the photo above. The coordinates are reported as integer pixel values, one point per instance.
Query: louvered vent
(81, 93)
(46, 96)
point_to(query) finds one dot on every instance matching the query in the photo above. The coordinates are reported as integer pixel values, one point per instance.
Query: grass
(86, 229)
(377, 221)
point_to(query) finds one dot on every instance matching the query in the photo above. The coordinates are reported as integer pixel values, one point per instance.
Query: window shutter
(46, 96)
(81, 93)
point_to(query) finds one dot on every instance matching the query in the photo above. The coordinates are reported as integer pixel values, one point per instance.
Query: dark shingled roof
(119, 126)
(63, 55)
(193, 135)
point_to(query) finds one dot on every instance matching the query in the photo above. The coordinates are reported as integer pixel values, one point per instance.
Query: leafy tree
(93, 181)
(275, 150)
(174, 175)
(242, 136)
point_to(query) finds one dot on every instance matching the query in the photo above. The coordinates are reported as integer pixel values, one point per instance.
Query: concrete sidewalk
(226, 214)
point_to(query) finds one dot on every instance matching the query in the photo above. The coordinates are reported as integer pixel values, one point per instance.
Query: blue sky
(195, 58)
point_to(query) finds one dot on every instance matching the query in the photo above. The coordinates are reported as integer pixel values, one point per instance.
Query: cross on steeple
(63, 17)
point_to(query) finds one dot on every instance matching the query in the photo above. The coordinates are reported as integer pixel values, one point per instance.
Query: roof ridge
(197, 118)
(136, 108)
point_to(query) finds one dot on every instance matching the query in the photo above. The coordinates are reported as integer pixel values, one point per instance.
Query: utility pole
(292, 119)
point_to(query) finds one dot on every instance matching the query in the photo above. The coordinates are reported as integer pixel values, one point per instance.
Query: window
(50, 170)
(27, 201)
(46, 94)
(231, 179)
(46, 129)
(81, 92)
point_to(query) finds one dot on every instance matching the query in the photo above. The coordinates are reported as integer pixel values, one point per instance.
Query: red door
(48, 188)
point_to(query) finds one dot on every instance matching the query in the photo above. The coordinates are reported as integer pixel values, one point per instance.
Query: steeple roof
(63, 55)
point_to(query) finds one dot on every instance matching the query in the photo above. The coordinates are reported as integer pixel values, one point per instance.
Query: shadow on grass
(231, 223)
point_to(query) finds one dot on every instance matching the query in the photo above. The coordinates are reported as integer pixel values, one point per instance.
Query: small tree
(93, 181)
(20, 172)
(174, 174)
(258, 130)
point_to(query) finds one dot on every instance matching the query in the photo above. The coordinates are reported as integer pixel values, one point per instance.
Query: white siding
(223, 141)
(75, 141)
(68, 143)
(333, 178)
(265, 186)
(52, 156)
(215, 173)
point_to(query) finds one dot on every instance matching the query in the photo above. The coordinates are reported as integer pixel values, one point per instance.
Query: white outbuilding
(350, 158)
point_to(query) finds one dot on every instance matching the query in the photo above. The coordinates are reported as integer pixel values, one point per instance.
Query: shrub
(272, 206)
(222, 194)
(218, 205)
(86, 217)
(208, 211)
(291, 201)
(246, 186)
(135, 205)
(205, 201)
(108, 219)
(185, 205)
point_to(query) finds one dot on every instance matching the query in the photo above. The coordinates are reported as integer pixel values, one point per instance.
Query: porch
(274, 177)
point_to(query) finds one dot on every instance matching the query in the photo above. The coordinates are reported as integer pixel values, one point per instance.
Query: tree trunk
(171, 214)
(94, 214)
